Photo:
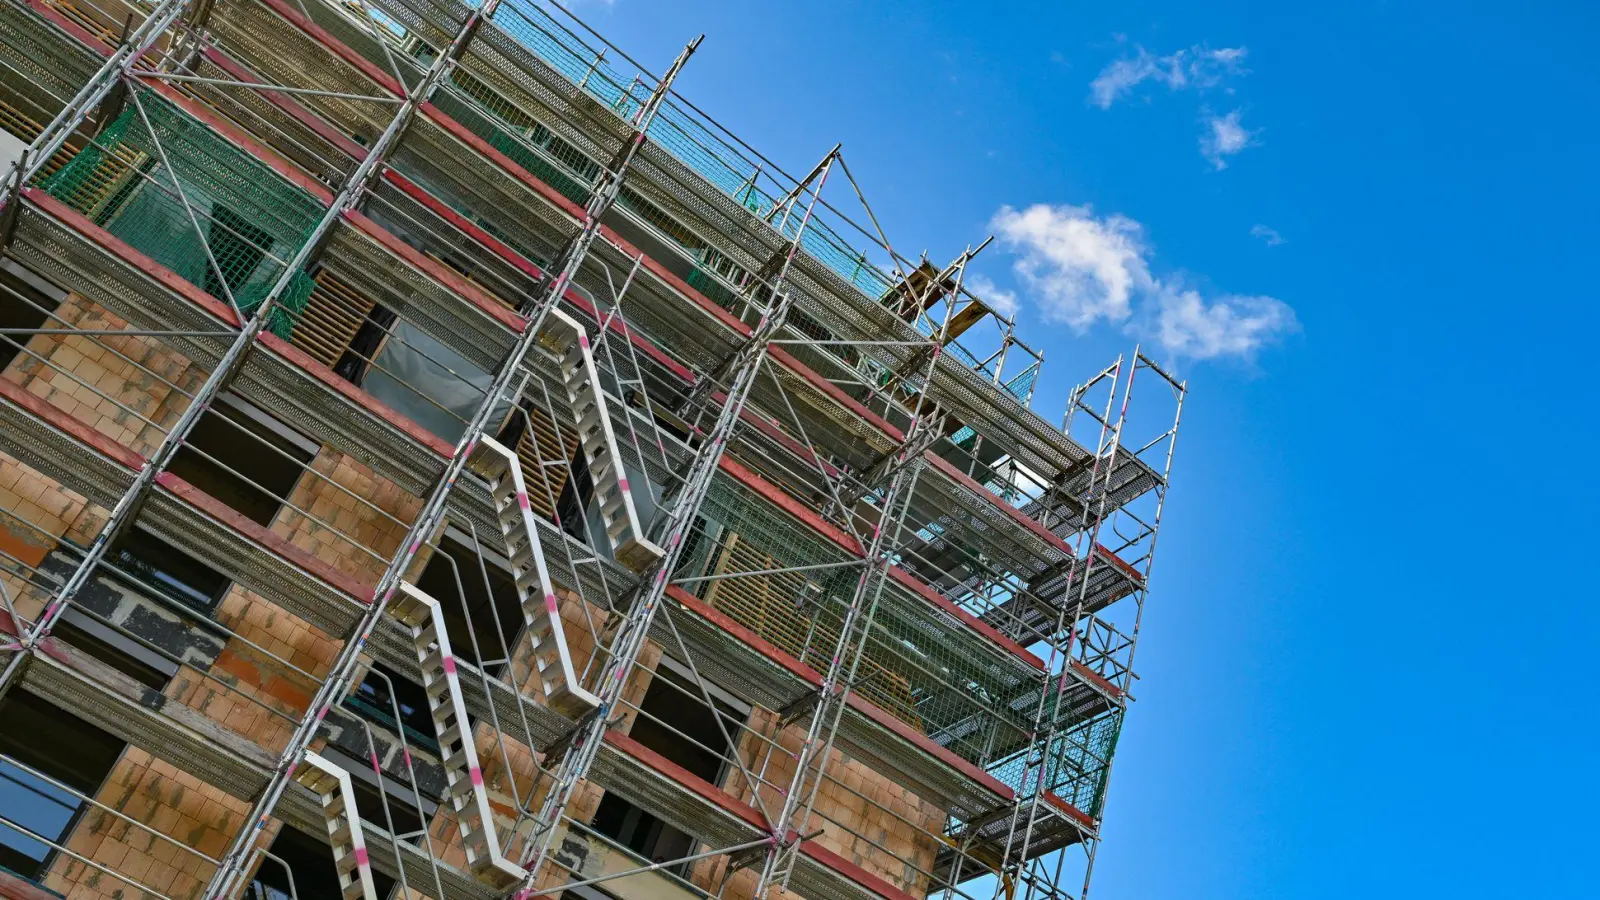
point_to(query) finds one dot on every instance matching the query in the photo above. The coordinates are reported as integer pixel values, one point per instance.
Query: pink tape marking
(522, 500)
(622, 483)
(476, 775)
(583, 340)
(361, 857)
(449, 663)
(550, 603)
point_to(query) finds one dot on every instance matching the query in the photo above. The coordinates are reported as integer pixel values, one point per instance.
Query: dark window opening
(265, 465)
(369, 805)
(145, 560)
(692, 741)
(500, 603)
(311, 859)
(117, 651)
(59, 746)
(573, 504)
(21, 306)
(375, 700)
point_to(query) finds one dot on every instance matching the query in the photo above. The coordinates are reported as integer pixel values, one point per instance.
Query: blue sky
(1364, 670)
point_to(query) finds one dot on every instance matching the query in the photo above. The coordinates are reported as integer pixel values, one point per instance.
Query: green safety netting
(1073, 767)
(919, 665)
(253, 220)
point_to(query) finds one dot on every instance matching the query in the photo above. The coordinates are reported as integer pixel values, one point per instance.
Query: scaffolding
(425, 397)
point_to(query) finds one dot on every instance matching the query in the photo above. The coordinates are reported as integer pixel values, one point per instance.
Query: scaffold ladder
(599, 443)
(465, 791)
(541, 613)
(331, 784)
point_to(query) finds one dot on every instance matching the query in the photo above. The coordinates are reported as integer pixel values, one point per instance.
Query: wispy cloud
(1269, 235)
(998, 298)
(1224, 136)
(1198, 67)
(1084, 269)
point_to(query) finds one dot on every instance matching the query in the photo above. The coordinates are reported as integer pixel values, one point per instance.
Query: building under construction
(439, 460)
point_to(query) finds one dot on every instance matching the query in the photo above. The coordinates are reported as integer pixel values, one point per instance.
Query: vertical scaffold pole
(111, 72)
(1019, 832)
(744, 366)
(834, 691)
(341, 674)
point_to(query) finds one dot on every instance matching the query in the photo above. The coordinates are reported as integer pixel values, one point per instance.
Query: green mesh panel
(253, 220)
(1074, 765)
(959, 689)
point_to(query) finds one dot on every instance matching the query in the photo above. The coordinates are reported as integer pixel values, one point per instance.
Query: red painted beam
(532, 270)
(317, 33)
(88, 39)
(1069, 809)
(62, 421)
(721, 798)
(853, 872)
(113, 245)
(811, 676)
(437, 271)
(686, 779)
(776, 495)
(170, 280)
(297, 357)
(927, 592)
(244, 142)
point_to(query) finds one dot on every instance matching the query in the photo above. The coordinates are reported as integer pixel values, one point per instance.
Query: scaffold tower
(437, 459)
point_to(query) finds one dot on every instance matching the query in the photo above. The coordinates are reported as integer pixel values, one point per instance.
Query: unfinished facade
(437, 460)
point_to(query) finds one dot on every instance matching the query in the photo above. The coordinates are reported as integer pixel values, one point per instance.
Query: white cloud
(1231, 325)
(1084, 268)
(1269, 235)
(1225, 136)
(1196, 67)
(998, 298)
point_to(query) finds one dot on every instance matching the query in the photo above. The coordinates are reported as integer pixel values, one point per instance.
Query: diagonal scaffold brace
(743, 366)
(235, 863)
(834, 692)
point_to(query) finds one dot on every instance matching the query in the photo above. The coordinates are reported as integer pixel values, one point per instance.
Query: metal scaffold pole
(1180, 391)
(744, 366)
(1026, 805)
(117, 65)
(127, 507)
(834, 691)
(235, 864)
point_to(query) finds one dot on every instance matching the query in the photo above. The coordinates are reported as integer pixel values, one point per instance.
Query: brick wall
(38, 511)
(343, 523)
(890, 829)
(107, 391)
(166, 802)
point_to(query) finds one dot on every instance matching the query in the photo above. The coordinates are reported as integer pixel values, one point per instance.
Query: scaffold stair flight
(331, 784)
(541, 614)
(465, 793)
(623, 528)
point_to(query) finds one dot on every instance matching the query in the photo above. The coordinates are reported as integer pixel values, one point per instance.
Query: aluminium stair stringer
(623, 528)
(465, 792)
(541, 612)
(331, 784)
